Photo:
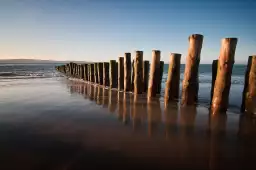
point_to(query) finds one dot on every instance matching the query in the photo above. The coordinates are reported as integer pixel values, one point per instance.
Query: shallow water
(9, 73)
(54, 123)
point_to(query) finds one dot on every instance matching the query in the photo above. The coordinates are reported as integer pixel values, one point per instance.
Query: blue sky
(100, 30)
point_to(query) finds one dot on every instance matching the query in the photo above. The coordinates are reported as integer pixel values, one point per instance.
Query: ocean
(15, 74)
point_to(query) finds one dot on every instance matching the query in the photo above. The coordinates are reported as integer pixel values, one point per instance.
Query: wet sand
(62, 124)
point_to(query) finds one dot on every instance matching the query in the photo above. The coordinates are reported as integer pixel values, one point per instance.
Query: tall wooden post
(89, 72)
(220, 98)
(96, 73)
(120, 73)
(159, 85)
(86, 72)
(82, 71)
(100, 73)
(145, 75)
(92, 73)
(190, 83)
(138, 64)
(71, 69)
(106, 74)
(132, 76)
(127, 72)
(112, 74)
(249, 92)
(154, 73)
(172, 86)
(214, 74)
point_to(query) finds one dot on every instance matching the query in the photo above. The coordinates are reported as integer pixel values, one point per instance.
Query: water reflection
(154, 115)
(170, 118)
(212, 141)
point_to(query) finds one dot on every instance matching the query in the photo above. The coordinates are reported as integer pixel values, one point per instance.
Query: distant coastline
(32, 61)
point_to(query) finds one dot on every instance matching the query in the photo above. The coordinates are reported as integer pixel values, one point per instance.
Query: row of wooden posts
(135, 77)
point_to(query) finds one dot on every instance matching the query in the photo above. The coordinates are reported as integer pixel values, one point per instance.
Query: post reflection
(105, 98)
(186, 132)
(217, 127)
(95, 93)
(91, 92)
(136, 112)
(99, 95)
(120, 105)
(154, 115)
(126, 109)
(170, 118)
(112, 101)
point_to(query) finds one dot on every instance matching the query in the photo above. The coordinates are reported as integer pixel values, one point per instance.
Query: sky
(100, 30)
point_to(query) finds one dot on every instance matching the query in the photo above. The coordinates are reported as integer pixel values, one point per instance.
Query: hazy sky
(100, 30)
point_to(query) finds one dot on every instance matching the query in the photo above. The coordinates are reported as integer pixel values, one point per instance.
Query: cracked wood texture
(222, 85)
(138, 74)
(172, 86)
(154, 73)
(249, 92)
(120, 73)
(127, 72)
(190, 82)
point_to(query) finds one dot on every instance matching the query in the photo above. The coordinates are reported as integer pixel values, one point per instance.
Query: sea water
(11, 74)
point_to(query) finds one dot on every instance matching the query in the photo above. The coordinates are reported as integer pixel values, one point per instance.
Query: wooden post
(172, 86)
(145, 75)
(106, 74)
(127, 72)
(249, 92)
(96, 73)
(159, 85)
(71, 69)
(154, 73)
(138, 64)
(112, 74)
(223, 78)
(82, 71)
(92, 73)
(120, 73)
(132, 76)
(214, 74)
(86, 72)
(190, 83)
(100, 73)
(89, 72)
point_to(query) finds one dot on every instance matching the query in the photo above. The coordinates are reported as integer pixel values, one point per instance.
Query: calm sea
(13, 74)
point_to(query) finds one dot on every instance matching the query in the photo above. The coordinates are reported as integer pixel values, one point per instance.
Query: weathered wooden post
(89, 72)
(145, 75)
(172, 86)
(214, 74)
(120, 73)
(82, 71)
(138, 65)
(154, 73)
(127, 72)
(159, 85)
(249, 92)
(132, 76)
(71, 69)
(100, 73)
(92, 73)
(112, 74)
(86, 72)
(96, 73)
(223, 79)
(106, 74)
(190, 83)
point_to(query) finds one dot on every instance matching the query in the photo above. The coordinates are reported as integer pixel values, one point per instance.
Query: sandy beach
(57, 123)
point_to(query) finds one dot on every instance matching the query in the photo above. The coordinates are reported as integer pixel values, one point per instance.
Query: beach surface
(56, 123)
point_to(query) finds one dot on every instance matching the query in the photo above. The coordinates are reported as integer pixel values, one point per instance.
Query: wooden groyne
(139, 76)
